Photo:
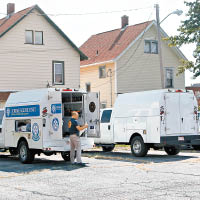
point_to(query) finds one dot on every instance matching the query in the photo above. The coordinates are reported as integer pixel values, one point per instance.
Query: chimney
(124, 21)
(10, 8)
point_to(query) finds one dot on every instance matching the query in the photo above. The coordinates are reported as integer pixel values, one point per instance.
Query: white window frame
(54, 74)
(169, 68)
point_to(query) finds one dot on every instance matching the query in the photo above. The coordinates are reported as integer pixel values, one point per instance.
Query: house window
(151, 46)
(88, 87)
(23, 125)
(169, 78)
(29, 37)
(103, 105)
(58, 72)
(102, 72)
(38, 37)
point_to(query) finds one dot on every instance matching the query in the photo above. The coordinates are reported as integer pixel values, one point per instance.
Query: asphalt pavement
(109, 176)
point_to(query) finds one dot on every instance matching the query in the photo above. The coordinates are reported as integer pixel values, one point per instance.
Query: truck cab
(106, 139)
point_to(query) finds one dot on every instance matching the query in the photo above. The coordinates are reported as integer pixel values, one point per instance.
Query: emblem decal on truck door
(35, 132)
(55, 124)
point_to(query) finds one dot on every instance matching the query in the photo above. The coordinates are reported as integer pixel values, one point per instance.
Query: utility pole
(159, 46)
(110, 75)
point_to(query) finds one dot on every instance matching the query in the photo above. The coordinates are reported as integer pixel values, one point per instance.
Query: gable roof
(8, 23)
(112, 44)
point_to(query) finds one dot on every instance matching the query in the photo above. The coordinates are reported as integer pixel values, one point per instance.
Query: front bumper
(181, 140)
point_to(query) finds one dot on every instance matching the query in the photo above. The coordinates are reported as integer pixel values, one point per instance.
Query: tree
(189, 34)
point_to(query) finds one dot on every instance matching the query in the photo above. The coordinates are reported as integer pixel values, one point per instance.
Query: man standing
(75, 141)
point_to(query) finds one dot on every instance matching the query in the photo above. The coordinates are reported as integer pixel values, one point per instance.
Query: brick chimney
(10, 8)
(124, 21)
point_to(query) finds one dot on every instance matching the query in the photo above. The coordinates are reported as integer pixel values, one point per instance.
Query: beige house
(35, 53)
(127, 60)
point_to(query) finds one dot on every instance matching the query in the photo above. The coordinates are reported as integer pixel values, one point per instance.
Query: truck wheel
(13, 151)
(138, 147)
(172, 150)
(108, 148)
(65, 155)
(25, 154)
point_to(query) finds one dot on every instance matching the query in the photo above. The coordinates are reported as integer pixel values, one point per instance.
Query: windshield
(1, 116)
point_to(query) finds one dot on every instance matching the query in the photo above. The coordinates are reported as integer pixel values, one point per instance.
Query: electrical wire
(82, 14)
(125, 68)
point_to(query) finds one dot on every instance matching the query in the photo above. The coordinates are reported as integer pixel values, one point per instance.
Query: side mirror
(108, 127)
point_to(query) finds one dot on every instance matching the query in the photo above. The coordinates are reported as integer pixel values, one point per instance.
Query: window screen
(102, 72)
(29, 37)
(105, 118)
(38, 37)
(58, 73)
(169, 78)
(88, 87)
(151, 46)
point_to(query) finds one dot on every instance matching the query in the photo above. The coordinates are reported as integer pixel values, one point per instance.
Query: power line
(125, 68)
(82, 14)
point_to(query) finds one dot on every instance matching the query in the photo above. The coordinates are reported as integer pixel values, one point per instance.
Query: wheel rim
(23, 152)
(137, 146)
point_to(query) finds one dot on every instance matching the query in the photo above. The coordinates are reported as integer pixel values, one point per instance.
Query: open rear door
(55, 109)
(92, 114)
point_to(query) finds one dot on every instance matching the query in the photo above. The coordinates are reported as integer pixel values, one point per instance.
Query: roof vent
(97, 53)
(124, 20)
(10, 8)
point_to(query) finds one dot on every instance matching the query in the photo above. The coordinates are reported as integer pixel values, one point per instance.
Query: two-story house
(35, 53)
(127, 60)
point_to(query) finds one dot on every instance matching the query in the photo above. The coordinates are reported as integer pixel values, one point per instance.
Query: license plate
(180, 138)
(91, 127)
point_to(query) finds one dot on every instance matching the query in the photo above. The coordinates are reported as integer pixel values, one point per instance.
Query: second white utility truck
(36, 121)
(151, 119)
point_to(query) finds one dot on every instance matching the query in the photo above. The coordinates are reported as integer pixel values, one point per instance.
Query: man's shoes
(81, 164)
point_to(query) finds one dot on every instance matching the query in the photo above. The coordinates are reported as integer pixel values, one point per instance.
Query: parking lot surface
(115, 175)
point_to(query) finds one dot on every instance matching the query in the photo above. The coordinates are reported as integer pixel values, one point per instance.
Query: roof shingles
(6, 23)
(110, 44)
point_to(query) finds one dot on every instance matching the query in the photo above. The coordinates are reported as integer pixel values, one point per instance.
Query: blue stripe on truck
(23, 111)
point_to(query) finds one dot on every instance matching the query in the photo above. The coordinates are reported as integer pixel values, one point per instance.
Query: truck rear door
(55, 115)
(172, 117)
(187, 115)
(92, 114)
(1, 129)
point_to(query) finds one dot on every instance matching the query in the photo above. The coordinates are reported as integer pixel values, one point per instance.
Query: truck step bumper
(181, 140)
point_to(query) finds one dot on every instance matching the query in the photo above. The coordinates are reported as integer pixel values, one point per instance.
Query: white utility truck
(151, 119)
(36, 121)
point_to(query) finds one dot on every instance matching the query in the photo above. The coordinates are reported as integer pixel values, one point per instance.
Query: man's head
(75, 115)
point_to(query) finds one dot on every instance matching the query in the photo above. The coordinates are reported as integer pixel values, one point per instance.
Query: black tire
(172, 150)
(196, 147)
(25, 154)
(65, 155)
(138, 147)
(13, 151)
(108, 148)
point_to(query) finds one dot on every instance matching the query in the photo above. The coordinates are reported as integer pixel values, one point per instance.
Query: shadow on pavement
(12, 164)
(128, 157)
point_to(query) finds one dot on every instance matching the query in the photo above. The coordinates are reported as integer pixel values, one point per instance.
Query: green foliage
(189, 34)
